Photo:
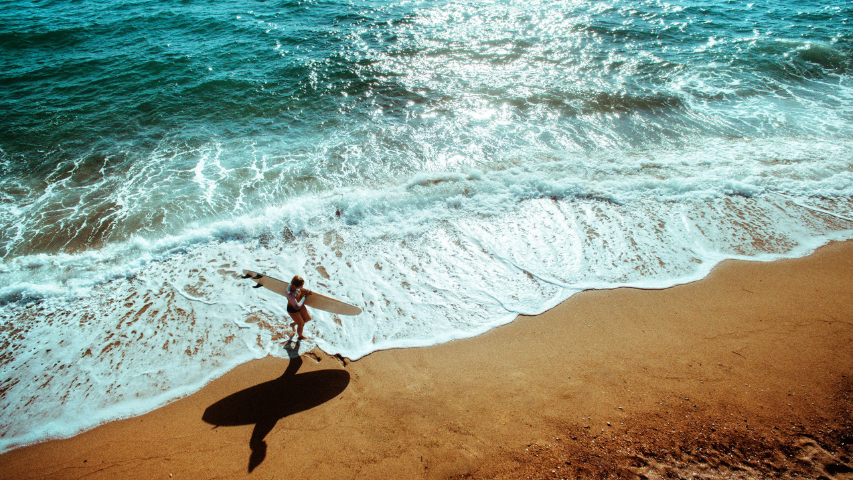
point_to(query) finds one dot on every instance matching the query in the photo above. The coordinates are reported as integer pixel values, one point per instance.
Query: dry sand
(745, 374)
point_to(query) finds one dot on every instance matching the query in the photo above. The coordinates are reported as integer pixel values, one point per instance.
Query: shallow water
(443, 165)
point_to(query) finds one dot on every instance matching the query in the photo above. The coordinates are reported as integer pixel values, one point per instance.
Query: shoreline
(745, 373)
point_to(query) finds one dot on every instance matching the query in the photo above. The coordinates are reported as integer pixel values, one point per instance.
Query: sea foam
(438, 256)
(444, 166)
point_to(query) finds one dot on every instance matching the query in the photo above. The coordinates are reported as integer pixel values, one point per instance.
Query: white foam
(117, 331)
(505, 188)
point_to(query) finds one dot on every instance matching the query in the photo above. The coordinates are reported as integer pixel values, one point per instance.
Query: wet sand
(744, 374)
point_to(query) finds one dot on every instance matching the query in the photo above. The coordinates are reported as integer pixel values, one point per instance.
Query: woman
(295, 304)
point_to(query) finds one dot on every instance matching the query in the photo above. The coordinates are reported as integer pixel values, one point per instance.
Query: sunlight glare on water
(445, 166)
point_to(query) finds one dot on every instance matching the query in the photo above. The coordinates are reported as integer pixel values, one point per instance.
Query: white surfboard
(315, 300)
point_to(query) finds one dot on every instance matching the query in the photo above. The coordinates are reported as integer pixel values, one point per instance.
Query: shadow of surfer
(265, 424)
(265, 404)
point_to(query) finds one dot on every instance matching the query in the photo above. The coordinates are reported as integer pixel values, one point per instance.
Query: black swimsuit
(290, 308)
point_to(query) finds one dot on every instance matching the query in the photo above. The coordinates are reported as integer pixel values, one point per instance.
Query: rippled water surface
(444, 165)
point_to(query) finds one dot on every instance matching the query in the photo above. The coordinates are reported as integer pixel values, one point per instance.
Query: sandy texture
(745, 374)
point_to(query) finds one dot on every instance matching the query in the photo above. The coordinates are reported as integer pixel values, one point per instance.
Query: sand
(744, 374)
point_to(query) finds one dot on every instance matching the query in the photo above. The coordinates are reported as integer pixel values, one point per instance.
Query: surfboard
(315, 300)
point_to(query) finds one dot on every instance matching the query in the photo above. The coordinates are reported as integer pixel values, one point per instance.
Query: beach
(743, 374)
(453, 169)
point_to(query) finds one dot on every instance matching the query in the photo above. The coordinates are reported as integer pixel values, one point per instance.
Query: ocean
(444, 165)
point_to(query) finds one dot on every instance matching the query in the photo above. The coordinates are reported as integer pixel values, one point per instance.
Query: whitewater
(445, 166)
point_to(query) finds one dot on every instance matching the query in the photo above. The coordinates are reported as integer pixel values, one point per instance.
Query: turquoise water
(445, 165)
(151, 118)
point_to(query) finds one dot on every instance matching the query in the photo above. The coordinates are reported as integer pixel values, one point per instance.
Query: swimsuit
(294, 305)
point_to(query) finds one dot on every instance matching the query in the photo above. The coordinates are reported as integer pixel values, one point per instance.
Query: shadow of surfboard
(265, 404)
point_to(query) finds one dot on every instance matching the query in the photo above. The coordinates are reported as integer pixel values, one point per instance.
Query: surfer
(296, 296)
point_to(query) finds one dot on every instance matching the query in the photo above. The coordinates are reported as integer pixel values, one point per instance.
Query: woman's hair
(297, 281)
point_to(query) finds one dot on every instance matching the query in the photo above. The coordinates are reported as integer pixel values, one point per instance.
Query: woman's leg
(306, 317)
(300, 318)
(297, 322)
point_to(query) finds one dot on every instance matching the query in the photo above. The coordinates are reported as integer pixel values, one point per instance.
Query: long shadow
(265, 404)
